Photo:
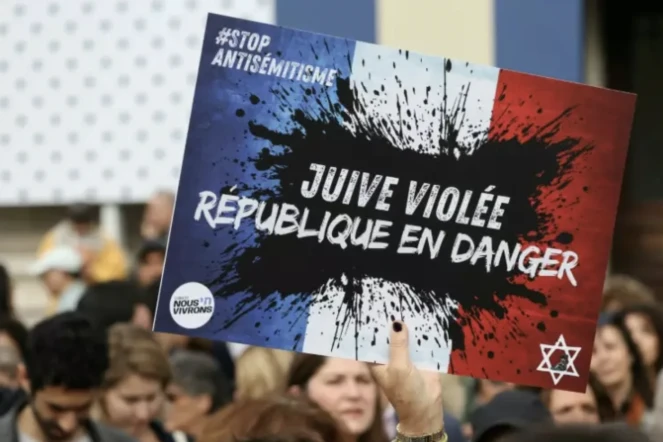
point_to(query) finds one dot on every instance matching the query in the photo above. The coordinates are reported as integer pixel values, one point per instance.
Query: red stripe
(523, 104)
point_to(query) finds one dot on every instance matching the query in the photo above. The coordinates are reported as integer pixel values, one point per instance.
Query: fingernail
(397, 326)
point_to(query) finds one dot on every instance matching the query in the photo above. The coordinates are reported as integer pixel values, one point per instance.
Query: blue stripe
(354, 19)
(544, 37)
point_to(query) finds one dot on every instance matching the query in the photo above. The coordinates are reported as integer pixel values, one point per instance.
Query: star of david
(566, 365)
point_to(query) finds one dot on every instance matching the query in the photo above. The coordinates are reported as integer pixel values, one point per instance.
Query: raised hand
(416, 395)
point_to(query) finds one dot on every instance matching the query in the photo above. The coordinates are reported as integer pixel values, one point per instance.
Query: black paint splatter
(348, 132)
(565, 238)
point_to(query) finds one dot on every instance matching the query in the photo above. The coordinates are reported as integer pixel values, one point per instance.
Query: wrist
(421, 426)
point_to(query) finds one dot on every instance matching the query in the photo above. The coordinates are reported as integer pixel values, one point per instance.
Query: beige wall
(461, 29)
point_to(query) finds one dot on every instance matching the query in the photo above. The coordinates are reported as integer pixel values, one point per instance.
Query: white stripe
(372, 69)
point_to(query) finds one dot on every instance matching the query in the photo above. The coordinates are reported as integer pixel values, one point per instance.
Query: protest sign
(330, 186)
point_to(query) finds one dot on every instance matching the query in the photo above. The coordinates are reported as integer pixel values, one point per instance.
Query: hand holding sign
(415, 395)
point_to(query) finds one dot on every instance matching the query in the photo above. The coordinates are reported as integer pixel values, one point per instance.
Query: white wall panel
(95, 96)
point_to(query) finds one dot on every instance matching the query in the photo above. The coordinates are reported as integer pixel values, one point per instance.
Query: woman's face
(346, 390)
(568, 407)
(133, 403)
(644, 336)
(611, 361)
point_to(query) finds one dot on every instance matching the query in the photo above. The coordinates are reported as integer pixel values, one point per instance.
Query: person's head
(159, 210)
(485, 390)
(591, 407)
(259, 372)
(620, 291)
(282, 417)
(345, 389)
(82, 218)
(616, 360)
(197, 389)
(58, 268)
(615, 432)
(509, 412)
(6, 289)
(65, 363)
(114, 302)
(645, 324)
(10, 361)
(13, 335)
(150, 262)
(135, 382)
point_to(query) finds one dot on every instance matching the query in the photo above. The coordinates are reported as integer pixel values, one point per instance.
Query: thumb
(399, 354)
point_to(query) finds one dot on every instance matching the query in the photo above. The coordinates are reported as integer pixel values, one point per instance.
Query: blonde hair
(261, 371)
(134, 350)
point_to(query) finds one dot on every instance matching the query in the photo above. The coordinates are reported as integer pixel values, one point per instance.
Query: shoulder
(178, 436)
(453, 428)
(8, 417)
(9, 399)
(6, 423)
(163, 435)
(109, 434)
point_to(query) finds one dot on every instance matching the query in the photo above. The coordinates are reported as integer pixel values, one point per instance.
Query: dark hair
(616, 432)
(17, 332)
(604, 405)
(80, 213)
(149, 247)
(66, 350)
(6, 307)
(305, 366)
(110, 303)
(642, 384)
(654, 315)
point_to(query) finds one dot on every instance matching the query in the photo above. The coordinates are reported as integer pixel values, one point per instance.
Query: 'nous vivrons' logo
(192, 305)
(184, 306)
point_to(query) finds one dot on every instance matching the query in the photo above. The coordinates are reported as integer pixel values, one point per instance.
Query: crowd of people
(92, 369)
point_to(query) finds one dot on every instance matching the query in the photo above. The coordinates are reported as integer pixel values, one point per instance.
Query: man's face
(151, 268)
(61, 413)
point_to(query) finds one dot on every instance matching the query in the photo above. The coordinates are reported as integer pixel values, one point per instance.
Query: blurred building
(96, 95)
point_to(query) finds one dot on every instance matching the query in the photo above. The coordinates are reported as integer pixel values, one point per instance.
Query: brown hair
(259, 371)
(281, 417)
(626, 291)
(305, 366)
(134, 350)
(604, 406)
